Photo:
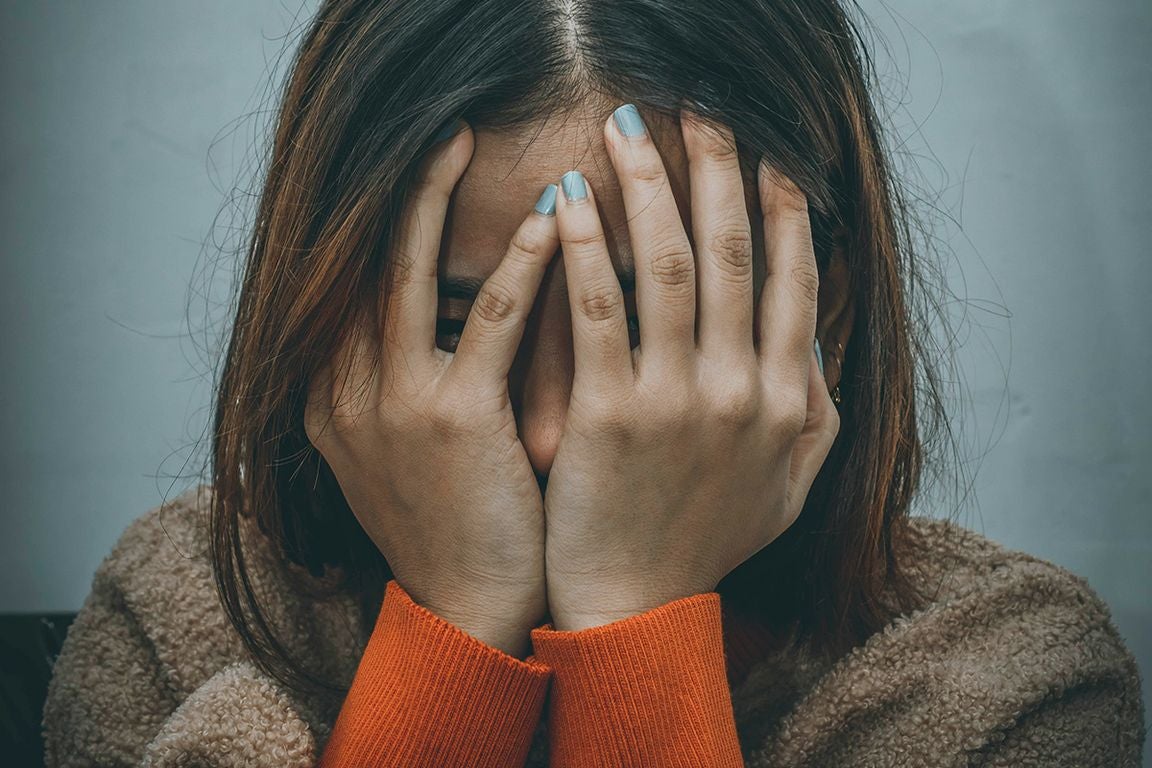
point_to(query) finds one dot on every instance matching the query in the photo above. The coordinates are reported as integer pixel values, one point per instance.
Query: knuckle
(413, 229)
(672, 266)
(601, 305)
(648, 170)
(525, 244)
(720, 147)
(833, 421)
(669, 416)
(779, 195)
(732, 248)
(740, 403)
(791, 417)
(663, 421)
(608, 415)
(667, 398)
(447, 416)
(495, 303)
(805, 281)
(403, 268)
(786, 208)
(591, 240)
(786, 211)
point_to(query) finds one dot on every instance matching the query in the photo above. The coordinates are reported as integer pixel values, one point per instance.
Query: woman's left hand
(681, 459)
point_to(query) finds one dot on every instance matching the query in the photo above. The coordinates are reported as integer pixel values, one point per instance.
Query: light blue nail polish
(628, 120)
(574, 188)
(819, 355)
(547, 202)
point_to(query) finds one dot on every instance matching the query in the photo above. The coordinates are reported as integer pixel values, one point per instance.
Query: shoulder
(167, 540)
(961, 572)
(989, 604)
(152, 668)
(1007, 650)
(948, 561)
(159, 576)
(1022, 648)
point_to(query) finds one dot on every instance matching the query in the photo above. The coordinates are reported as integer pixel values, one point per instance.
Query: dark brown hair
(373, 80)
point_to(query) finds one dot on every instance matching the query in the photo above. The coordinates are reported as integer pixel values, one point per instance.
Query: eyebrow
(466, 287)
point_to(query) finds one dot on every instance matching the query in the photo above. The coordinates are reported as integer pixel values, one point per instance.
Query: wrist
(508, 634)
(606, 606)
(515, 642)
(592, 613)
(564, 623)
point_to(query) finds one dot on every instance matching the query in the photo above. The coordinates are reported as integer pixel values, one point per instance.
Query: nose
(540, 401)
(540, 380)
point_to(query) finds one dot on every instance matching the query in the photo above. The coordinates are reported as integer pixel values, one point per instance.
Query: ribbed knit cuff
(428, 693)
(647, 690)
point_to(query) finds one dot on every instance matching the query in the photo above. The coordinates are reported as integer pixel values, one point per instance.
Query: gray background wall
(125, 126)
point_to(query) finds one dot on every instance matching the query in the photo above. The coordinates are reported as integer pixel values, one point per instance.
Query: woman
(584, 435)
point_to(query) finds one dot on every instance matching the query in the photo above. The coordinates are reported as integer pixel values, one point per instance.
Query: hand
(425, 446)
(681, 459)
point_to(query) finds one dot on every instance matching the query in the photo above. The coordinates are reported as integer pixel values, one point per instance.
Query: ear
(835, 310)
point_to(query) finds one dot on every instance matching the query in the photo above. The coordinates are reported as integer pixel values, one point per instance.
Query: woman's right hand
(425, 448)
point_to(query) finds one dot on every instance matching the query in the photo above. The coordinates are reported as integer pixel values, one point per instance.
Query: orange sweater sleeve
(647, 690)
(426, 693)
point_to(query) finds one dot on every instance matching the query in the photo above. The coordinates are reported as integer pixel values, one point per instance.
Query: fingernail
(628, 120)
(819, 355)
(573, 183)
(547, 202)
(448, 131)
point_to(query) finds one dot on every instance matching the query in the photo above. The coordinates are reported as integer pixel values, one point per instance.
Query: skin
(503, 180)
(580, 477)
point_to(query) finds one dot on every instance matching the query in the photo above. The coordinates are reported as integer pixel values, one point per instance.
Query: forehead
(509, 170)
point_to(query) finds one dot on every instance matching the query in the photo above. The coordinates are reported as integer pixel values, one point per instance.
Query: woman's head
(507, 170)
(372, 82)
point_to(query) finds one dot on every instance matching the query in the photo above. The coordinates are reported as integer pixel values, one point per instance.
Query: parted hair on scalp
(368, 86)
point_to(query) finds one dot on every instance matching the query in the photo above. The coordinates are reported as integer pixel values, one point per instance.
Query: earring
(836, 399)
(820, 360)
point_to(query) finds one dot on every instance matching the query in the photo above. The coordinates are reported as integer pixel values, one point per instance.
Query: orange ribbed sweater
(652, 687)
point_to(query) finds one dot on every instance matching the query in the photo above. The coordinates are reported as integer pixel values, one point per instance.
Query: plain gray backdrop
(130, 130)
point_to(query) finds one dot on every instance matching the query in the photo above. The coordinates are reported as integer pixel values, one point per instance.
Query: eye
(448, 332)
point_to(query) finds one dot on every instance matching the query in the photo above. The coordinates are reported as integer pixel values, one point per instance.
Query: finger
(413, 302)
(665, 268)
(787, 322)
(599, 324)
(810, 451)
(495, 326)
(723, 237)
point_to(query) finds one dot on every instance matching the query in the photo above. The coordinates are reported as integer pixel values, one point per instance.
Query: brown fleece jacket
(1013, 662)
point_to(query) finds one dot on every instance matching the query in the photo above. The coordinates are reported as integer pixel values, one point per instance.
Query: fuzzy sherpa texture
(1014, 662)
